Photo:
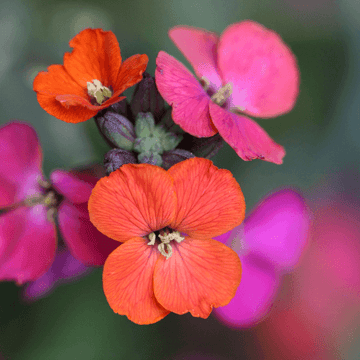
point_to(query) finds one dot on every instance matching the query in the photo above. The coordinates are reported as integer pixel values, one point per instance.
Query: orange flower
(91, 79)
(166, 220)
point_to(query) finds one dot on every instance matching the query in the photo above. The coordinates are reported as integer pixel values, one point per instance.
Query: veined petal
(200, 275)
(278, 228)
(20, 163)
(27, 244)
(245, 136)
(86, 243)
(70, 186)
(134, 200)
(261, 68)
(128, 282)
(95, 55)
(130, 73)
(189, 101)
(199, 48)
(254, 296)
(210, 201)
(62, 110)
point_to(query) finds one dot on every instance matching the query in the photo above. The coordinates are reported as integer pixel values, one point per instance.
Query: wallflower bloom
(91, 79)
(269, 243)
(247, 71)
(64, 269)
(28, 239)
(166, 220)
(320, 319)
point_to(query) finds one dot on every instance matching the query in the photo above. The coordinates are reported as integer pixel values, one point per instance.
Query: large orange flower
(168, 261)
(91, 79)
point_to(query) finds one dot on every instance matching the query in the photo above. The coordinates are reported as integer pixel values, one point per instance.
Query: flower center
(222, 94)
(98, 91)
(165, 237)
(49, 197)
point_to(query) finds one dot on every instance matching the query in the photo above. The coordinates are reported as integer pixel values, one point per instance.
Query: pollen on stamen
(164, 247)
(222, 95)
(98, 91)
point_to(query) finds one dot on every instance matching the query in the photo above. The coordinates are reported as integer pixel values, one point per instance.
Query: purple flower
(269, 242)
(65, 268)
(29, 204)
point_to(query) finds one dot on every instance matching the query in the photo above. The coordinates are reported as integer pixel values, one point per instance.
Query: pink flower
(64, 269)
(320, 318)
(29, 204)
(247, 71)
(269, 243)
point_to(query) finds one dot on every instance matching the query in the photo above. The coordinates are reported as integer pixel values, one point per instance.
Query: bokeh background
(316, 314)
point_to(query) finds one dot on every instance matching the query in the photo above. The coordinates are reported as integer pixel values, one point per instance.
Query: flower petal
(254, 296)
(134, 200)
(245, 136)
(278, 228)
(189, 101)
(200, 275)
(65, 268)
(69, 185)
(86, 243)
(95, 55)
(130, 73)
(128, 282)
(261, 68)
(210, 201)
(27, 244)
(199, 48)
(20, 163)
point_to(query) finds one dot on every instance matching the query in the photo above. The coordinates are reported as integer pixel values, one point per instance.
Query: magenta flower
(269, 243)
(247, 71)
(64, 269)
(29, 204)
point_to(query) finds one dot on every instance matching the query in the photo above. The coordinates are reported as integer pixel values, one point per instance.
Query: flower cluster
(165, 222)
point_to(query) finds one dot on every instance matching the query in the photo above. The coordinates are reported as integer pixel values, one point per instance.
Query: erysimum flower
(247, 71)
(166, 220)
(64, 269)
(269, 243)
(29, 204)
(319, 320)
(91, 79)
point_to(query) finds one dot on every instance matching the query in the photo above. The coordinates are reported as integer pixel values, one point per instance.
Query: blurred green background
(321, 136)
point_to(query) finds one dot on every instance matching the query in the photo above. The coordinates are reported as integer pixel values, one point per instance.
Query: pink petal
(254, 296)
(71, 186)
(184, 93)
(85, 242)
(199, 48)
(261, 68)
(245, 136)
(20, 163)
(278, 228)
(27, 244)
(65, 268)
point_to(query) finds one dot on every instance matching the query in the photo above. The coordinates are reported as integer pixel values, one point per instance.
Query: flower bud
(150, 158)
(144, 125)
(204, 147)
(116, 158)
(117, 129)
(170, 158)
(146, 97)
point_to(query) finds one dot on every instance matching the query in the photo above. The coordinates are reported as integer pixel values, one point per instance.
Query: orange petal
(134, 200)
(128, 282)
(130, 73)
(200, 275)
(96, 55)
(210, 201)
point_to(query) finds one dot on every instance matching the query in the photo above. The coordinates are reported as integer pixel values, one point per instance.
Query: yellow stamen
(165, 248)
(222, 94)
(98, 91)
